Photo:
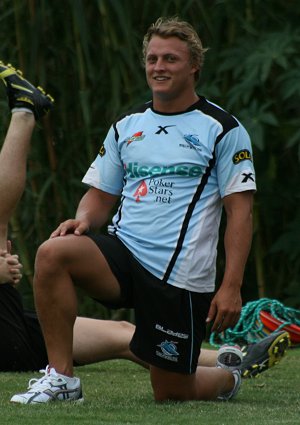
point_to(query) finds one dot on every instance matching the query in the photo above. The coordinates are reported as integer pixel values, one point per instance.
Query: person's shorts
(170, 322)
(22, 345)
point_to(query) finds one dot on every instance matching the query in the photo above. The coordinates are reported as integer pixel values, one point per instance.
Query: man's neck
(170, 106)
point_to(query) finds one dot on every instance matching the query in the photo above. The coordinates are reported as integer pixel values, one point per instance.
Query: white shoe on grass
(51, 387)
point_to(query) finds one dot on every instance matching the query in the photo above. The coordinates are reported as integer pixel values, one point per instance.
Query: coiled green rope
(250, 328)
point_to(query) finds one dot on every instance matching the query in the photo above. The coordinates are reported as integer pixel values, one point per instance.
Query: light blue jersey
(172, 171)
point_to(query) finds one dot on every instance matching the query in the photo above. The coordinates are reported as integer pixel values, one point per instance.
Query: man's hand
(75, 226)
(92, 213)
(225, 309)
(10, 268)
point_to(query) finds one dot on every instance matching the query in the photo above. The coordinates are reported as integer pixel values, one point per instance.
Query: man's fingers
(62, 230)
(225, 321)
(211, 313)
(12, 260)
(70, 226)
(80, 230)
(218, 323)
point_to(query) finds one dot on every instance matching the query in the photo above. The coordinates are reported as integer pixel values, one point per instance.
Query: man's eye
(151, 59)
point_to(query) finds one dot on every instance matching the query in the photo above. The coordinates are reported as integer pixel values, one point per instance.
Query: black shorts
(170, 322)
(22, 345)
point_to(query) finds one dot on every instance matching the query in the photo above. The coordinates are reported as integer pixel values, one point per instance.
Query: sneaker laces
(43, 382)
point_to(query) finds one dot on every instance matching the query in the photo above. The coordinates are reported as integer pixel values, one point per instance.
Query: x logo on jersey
(247, 176)
(163, 129)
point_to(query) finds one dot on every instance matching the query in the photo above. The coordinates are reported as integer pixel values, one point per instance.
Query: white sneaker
(230, 358)
(51, 387)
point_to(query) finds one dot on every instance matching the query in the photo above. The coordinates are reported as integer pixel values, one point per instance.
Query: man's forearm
(94, 208)
(237, 240)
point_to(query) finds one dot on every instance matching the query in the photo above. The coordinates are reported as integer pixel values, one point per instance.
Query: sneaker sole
(24, 93)
(78, 401)
(276, 352)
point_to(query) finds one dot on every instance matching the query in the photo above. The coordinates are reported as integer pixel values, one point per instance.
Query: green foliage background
(87, 55)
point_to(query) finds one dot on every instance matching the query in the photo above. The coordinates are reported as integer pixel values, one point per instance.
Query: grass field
(119, 392)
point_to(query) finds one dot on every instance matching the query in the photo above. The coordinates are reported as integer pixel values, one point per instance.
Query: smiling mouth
(161, 78)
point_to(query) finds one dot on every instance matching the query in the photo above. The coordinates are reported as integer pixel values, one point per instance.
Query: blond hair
(174, 27)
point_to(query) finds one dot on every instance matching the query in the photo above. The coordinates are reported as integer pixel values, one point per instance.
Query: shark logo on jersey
(135, 138)
(192, 139)
(142, 190)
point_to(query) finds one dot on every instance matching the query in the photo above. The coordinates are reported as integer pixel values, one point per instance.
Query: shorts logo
(135, 137)
(170, 332)
(240, 156)
(142, 190)
(168, 351)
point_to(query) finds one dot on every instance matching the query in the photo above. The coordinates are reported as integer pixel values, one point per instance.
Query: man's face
(169, 72)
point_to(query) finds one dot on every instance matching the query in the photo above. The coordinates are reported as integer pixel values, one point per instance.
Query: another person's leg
(208, 357)
(264, 354)
(13, 158)
(97, 340)
(27, 104)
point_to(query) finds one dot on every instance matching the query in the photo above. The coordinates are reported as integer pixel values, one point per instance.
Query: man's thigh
(81, 259)
(121, 264)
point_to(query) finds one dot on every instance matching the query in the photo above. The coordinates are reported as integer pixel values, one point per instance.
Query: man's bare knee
(48, 259)
(171, 386)
(45, 254)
